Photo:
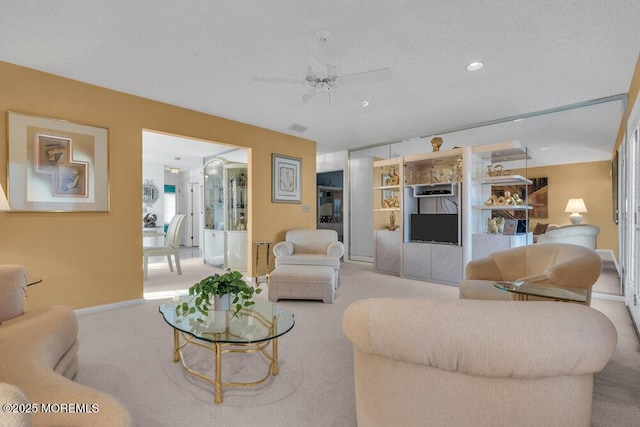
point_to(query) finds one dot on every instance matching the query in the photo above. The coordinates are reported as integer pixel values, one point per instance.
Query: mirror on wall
(570, 149)
(149, 193)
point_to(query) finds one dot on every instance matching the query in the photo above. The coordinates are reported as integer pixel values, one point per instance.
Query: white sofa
(475, 363)
(38, 359)
(579, 234)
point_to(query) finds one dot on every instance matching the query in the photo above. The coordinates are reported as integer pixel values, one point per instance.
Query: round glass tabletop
(264, 321)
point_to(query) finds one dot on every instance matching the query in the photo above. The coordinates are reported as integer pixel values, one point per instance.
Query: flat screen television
(436, 228)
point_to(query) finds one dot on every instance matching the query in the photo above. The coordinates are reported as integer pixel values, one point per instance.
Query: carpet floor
(127, 352)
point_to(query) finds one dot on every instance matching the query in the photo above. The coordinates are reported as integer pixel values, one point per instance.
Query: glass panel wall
(570, 153)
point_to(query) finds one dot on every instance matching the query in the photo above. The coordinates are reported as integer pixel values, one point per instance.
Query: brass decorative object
(393, 178)
(498, 170)
(506, 200)
(392, 222)
(436, 143)
(391, 202)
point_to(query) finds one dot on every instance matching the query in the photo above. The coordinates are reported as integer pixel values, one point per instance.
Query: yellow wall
(589, 181)
(89, 259)
(634, 90)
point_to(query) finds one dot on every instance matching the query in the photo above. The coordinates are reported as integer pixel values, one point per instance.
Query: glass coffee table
(252, 330)
(523, 290)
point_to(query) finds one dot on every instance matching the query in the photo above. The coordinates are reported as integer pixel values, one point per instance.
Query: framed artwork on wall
(539, 197)
(286, 179)
(56, 165)
(614, 187)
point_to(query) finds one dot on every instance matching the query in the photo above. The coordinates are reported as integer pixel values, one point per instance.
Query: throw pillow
(540, 229)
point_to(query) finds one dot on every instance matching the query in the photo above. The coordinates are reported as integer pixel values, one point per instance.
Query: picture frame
(614, 187)
(56, 165)
(286, 179)
(510, 226)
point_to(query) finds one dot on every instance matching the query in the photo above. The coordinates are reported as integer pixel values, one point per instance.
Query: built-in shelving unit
(438, 200)
(502, 195)
(432, 243)
(387, 215)
(225, 208)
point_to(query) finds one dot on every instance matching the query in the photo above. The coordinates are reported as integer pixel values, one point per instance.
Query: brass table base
(220, 348)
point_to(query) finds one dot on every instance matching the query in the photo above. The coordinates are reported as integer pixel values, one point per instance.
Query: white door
(361, 214)
(193, 215)
(630, 212)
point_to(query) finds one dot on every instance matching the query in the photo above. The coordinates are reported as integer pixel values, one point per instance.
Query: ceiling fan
(330, 82)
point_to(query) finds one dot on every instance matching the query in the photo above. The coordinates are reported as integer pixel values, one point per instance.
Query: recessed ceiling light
(365, 103)
(475, 66)
(174, 170)
(544, 148)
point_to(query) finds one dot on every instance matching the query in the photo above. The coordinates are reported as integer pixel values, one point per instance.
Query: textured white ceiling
(203, 54)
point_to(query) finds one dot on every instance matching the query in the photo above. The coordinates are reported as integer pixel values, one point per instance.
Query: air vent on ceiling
(297, 127)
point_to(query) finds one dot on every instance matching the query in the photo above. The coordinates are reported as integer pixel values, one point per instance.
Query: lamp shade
(575, 206)
(4, 203)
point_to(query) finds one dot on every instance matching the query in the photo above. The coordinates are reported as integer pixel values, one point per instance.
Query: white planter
(222, 302)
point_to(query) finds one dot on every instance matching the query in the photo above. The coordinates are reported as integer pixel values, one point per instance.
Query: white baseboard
(361, 258)
(611, 297)
(104, 307)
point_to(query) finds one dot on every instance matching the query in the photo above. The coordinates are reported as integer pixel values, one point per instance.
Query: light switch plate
(306, 208)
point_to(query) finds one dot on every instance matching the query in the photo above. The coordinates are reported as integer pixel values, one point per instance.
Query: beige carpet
(127, 352)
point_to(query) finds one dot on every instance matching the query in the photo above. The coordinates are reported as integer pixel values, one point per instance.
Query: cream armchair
(558, 264)
(38, 360)
(475, 363)
(580, 234)
(310, 247)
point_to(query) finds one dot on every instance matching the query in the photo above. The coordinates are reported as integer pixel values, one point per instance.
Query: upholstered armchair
(310, 247)
(558, 264)
(463, 363)
(38, 360)
(580, 234)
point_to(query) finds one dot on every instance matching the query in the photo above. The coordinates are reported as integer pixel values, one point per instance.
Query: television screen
(437, 228)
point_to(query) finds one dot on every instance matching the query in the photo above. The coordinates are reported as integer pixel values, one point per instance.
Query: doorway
(174, 165)
(330, 202)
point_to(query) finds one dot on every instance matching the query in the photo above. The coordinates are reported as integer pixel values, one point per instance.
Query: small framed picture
(286, 179)
(510, 226)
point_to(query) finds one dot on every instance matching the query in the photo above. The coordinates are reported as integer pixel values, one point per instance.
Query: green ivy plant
(202, 293)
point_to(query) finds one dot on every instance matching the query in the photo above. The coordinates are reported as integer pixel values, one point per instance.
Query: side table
(258, 244)
(523, 290)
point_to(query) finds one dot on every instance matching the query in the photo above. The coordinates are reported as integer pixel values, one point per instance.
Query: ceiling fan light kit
(330, 82)
(474, 66)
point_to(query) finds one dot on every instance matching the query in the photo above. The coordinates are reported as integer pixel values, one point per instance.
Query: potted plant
(219, 286)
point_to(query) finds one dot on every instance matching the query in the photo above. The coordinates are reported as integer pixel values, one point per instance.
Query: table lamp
(4, 203)
(576, 207)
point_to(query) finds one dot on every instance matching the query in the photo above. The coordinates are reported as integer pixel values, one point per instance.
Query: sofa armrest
(576, 271)
(335, 249)
(482, 269)
(283, 249)
(483, 338)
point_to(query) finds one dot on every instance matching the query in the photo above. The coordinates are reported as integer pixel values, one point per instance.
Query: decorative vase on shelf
(436, 143)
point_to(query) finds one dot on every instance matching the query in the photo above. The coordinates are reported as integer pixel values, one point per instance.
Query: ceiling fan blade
(277, 80)
(373, 76)
(307, 96)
